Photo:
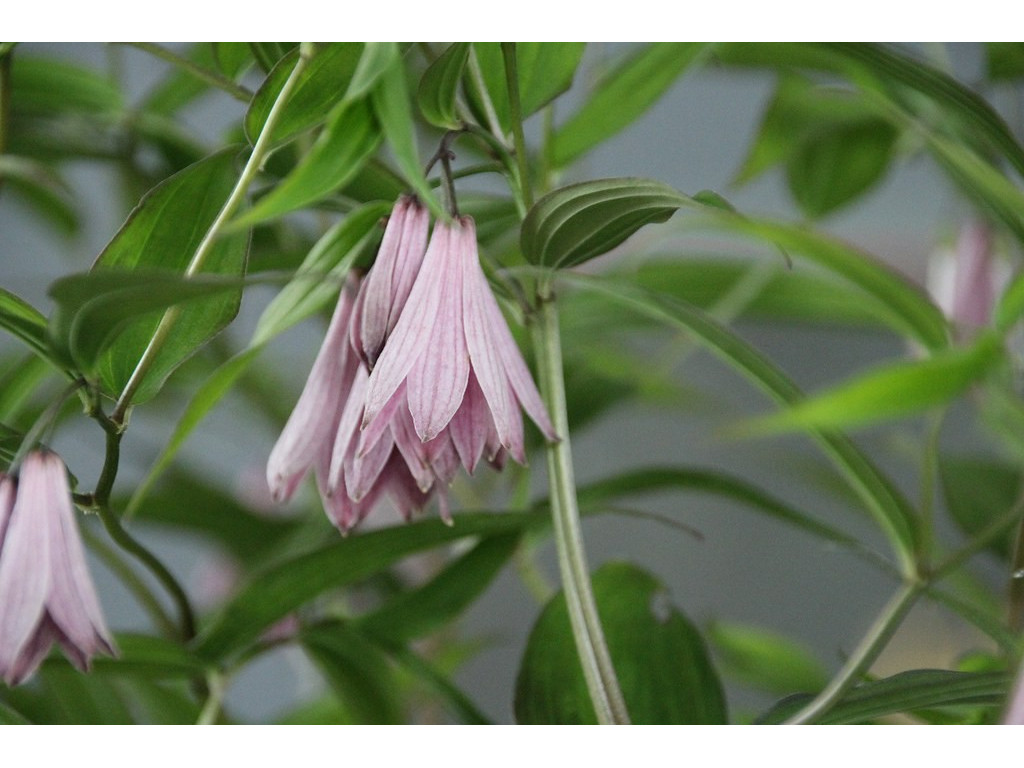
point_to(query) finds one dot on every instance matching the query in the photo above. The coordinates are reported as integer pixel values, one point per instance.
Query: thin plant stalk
(602, 683)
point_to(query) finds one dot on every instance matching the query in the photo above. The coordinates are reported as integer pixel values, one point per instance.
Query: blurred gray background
(746, 568)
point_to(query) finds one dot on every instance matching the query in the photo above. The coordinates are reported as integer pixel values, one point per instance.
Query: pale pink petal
(31, 654)
(8, 487)
(412, 334)
(381, 423)
(402, 489)
(347, 434)
(388, 283)
(437, 382)
(444, 459)
(314, 418)
(412, 449)
(1014, 714)
(362, 471)
(471, 425)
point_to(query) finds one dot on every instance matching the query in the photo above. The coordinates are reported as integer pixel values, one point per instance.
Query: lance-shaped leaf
(24, 322)
(579, 222)
(439, 86)
(889, 392)
(161, 234)
(659, 658)
(622, 95)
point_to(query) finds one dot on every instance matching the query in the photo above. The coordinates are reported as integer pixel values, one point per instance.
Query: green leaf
(887, 505)
(232, 59)
(887, 392)
(348, 140)
(267, 55)
(359, 673)
(44, 86)
(1004, 61)
(765, 660)
(835, 166)
(622, 95)
(323, 83)
(907, 691)
(42, 188)
(440, 84)
(658, 655)
(21, 378)
(394, 113)
(545, 71)
(579, 222)
(24, 322)
(978, 491)
(154, 237)
(10, 716)
(415, 613)
(271, 595)
(152, 658)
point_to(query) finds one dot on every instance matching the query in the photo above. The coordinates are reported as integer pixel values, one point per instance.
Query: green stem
(202, 73)
(864, 655)
(235, 199)
(217, 687)
(595, 659)
(508, 50)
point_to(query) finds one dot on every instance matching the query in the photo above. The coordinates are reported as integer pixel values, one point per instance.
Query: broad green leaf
(888, 392)
(267, 55)
(545, 71)
(154, 238)
(440, 84)
(95, 308)
(10, 716)
(581, 221)
(323, 83)
(887, 505)
(418, 612)
(659, 658)
(1004, 61)
(272, 594)
(394, 113)
(24, 322)
(44, 86)
(978, 491)
(360, 675)
(181, 87)
(348, 140)
(622, 95)
(376, 60)
(833, 167)
(232, 59)
(21, 378)
(904, 692)
(765, 660)
(42, 188)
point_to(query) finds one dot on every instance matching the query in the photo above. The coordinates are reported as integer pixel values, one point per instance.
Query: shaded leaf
(659, 658)
(765, 660)
(622, 95)
(151, 658)
(440, 84)
(24, 322)
(42, 188)
(978, 491)
(45, 86)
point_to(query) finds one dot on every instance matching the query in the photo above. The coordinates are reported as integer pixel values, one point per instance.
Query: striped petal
(471, 425)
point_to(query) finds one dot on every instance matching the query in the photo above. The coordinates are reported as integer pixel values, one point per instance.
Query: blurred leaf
(151, 658)
(180, 87)
(658, 655)
(978, 491)
(440, 84)
(887, 392)
(418, 612)
(20, 379)
(10, 442)
(10, 716)
(622, 95)
(267, 55)
(186, 502)
(153, 238)
(835, 166)
(45, 86)
(232, 59)
(1004, 61)
(652, 479)
(457, 703)
(904, 692)
(545, 71)
(43, 189)
(359, 674)
(322, 84)
(273, 593)
(348, 140)
(887, 505)
(394, 113)
(581, 221)
(765, 660)
(317, 282)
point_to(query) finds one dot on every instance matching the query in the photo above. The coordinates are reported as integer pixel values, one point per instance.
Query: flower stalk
(602, 683)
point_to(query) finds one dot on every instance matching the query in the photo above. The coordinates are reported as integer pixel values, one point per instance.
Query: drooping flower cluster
(46, 592)
(418, 374)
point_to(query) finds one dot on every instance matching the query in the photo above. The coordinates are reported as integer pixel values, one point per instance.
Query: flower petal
(471, 425)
